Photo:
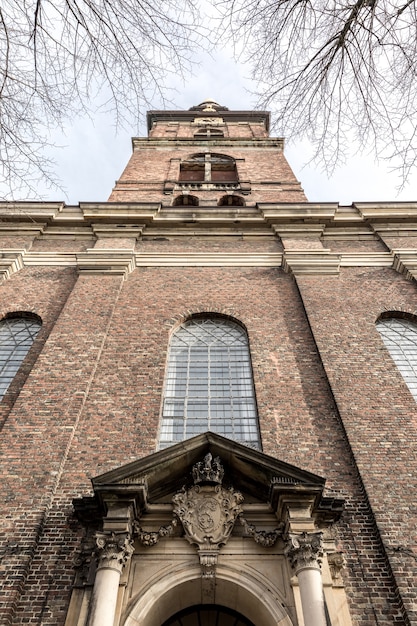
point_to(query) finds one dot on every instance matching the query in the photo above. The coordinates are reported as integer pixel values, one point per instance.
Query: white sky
(92, 156)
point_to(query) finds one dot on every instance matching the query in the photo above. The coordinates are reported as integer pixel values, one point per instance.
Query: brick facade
(111, 281)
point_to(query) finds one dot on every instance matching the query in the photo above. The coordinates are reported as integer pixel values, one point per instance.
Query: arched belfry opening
(209, 521)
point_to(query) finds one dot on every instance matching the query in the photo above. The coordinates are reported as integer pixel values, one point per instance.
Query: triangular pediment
(165, 472)
(155, 479)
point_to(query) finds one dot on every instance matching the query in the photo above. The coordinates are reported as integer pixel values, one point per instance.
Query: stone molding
(311, 262)
(405, 262)
(10, 263)
(118, 262)
(304, 551)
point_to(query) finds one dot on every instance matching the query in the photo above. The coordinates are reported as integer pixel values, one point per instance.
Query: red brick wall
(377, 410)
(272, 179)
(92, 403)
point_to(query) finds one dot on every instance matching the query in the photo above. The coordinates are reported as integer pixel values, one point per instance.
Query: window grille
(400, 338)
(209, 384)
(16, 337)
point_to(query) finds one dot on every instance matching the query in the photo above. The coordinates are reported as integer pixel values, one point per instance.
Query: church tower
(208, 394)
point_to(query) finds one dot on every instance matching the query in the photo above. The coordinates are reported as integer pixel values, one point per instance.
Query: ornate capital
(304, 551)
(113, 550)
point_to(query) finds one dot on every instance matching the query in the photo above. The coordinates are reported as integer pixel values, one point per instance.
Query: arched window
(208, 132)
(209, 383)
(185, 200)
(400, 338)
(17, 333)
(209, 168)
(231, 200)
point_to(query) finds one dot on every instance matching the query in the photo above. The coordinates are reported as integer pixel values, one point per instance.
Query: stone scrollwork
(113, 550)
(305, 550)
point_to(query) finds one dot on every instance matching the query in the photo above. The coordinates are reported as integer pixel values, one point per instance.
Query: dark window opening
(208, 168)
(186, 200)
(231, 200)
(209, 132)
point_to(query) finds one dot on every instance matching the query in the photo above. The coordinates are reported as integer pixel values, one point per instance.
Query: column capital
(113, 550)
(304, 551)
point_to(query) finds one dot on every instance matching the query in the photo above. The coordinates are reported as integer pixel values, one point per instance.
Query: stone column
(305, 553)
(114, 550)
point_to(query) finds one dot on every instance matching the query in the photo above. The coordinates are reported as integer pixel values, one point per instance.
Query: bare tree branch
(339, 72)
(56, 55)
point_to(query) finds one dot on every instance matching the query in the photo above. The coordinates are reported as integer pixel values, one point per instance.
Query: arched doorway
(208, 615)
(238, 591)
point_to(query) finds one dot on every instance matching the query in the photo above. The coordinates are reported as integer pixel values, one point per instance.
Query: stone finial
(208, 470)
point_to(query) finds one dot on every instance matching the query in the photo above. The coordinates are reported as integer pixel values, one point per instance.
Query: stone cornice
(119, 262)
(405, 262)
(297, 210)
(165, 117)
(122, 262)
(300, 218)
(311, 262)
(10, 263)
(208, 259)
(318, 222)
(375, 210)
(249, 143)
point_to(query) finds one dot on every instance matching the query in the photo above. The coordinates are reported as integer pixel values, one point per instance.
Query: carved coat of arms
(207, 510)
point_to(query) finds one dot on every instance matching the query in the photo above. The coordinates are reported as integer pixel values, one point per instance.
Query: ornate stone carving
(208, 562)
(150, 538)
(305, 551)
(84, 562)
(208, 470)
(337, 562)
(263, 537)
(208, 511)
(113, 550)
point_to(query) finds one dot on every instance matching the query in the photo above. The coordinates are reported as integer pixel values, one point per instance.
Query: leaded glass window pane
(400, 338)
(209, 384)
(16, 337)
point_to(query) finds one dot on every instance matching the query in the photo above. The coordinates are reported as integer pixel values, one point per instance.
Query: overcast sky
(92, 155)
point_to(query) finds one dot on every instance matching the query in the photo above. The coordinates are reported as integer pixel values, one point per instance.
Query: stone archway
(235, 590)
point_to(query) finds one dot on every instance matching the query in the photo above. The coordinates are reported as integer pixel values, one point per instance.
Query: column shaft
(312, 599)
(104, 599)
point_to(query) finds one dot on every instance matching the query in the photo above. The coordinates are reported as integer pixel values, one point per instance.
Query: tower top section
(207, 156)
(207, 111)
